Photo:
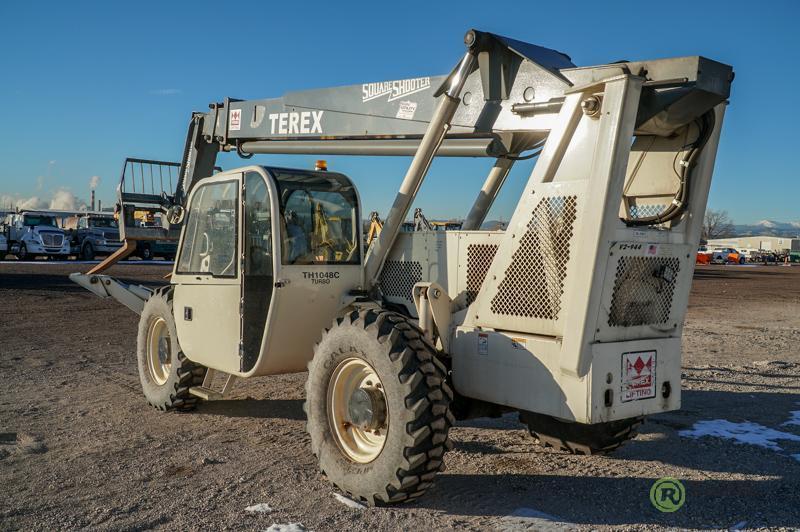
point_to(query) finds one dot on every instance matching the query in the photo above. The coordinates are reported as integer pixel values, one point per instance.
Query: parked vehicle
(3, 246)
(93, 234)
(727, 256)
(703, 255)
(33, 233)
(150, 249)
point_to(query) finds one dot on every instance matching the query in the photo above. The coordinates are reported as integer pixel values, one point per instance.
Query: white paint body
(544, 313)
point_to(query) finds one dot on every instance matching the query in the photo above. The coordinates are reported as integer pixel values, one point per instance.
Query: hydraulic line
(706, 126)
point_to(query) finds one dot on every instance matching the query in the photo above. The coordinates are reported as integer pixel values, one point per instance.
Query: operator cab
(265, 254)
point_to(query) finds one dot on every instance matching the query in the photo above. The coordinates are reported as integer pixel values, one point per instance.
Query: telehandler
(572, 316)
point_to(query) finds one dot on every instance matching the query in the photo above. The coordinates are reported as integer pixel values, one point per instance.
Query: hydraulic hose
(679, 203)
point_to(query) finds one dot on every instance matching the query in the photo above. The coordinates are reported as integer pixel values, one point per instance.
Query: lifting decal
(393, 89)
(638, 376)
(235, 120)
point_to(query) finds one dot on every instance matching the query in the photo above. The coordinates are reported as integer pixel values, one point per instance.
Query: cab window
(258, 227)
(103, 222)
(31, 221)
(209, 243)
(319, 219)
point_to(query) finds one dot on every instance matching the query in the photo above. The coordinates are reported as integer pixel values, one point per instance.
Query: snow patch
(794, 419)
(532, 519)
(741, 433)
(260, 508)
(347, 501)
(291, 527)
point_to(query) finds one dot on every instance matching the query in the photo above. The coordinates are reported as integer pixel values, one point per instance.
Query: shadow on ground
(709, 503)
(254, 408)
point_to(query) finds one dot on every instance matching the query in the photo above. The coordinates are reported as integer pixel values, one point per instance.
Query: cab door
(207, 275)
(317, 257)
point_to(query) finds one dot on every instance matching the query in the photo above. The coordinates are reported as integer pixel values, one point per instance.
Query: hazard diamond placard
(638, 376)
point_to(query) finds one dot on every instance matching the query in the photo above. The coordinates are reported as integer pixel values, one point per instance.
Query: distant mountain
(769, 228)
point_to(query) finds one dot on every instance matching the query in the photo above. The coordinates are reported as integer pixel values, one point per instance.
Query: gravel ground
(80, 448)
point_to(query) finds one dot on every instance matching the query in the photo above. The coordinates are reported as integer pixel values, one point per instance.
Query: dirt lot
(80, 448)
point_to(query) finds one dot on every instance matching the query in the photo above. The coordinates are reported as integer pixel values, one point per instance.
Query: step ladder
(207, 391)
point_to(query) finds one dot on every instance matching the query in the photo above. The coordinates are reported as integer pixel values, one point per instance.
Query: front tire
(391, 450)
(87, 251)
(164, 371)
(147, 252)
(23, 253)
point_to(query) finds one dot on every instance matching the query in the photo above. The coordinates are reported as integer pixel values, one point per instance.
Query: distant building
(762, 243)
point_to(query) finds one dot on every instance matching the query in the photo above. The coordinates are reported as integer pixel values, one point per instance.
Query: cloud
(32, 203)
(94, 181)
(62, 199)
(165, 92)
(66, 201)
(7, 202)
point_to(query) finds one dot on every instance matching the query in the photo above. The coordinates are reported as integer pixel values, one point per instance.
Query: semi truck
(93, 233)
(31, 234)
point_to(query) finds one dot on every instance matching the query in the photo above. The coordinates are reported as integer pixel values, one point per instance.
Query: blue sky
(85, 84)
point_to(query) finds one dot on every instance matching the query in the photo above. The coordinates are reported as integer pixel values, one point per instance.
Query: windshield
(103, 222)
(319, 218)
(33, 220)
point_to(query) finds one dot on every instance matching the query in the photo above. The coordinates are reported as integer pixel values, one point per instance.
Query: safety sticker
(483, 344)
(519, 343)
(235, 120)
(638, 376)
(406, 110)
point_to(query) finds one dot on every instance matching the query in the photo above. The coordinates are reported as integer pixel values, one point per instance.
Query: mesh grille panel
(399, 277)
(479, 258)
(643, 211)
(534, 282)
(643, 290)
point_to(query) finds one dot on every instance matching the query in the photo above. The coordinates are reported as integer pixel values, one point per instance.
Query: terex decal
(394, 89)
(295, 123)
(320, 277)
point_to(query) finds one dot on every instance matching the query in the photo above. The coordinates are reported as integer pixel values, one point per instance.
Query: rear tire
(580, 438)
(416, 407)
(164, 371)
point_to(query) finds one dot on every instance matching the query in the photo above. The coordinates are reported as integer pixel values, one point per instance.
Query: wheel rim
(361, 444)
(159, 351)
